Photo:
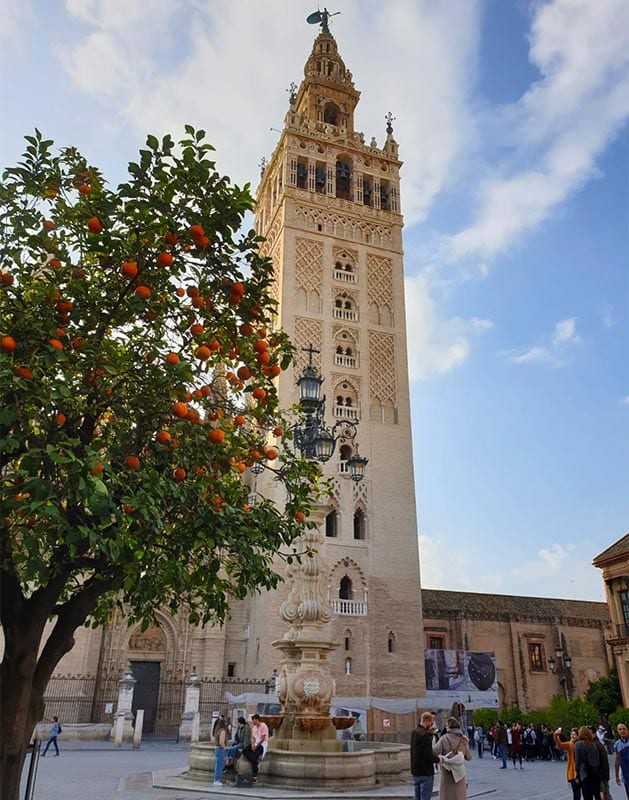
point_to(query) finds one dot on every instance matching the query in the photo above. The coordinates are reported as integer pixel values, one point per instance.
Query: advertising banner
(460, 676)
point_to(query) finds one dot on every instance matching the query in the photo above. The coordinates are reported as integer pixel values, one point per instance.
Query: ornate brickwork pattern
(382, 386)
(309, 265)
(332, 223)
(271, 238)
(380, 281)
(360, 492)
(307, 332)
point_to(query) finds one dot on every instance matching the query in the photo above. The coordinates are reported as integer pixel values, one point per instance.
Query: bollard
(196, 727)
(137, 731)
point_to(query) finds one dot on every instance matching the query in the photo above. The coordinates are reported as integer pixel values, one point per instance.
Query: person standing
(52, 738)
(621, 762)
(220, 740)
(500, 737)
(479, 738)
(568, 747)
(259, 743)
(603, 771)
(587, 764)
(516, 745)
(423, 759)
(452, 750)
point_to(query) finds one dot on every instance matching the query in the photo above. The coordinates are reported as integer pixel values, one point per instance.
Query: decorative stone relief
(335, 224)
(380, 281)
(152, 639)
(382, 383)
(360, 493)
(309, 265)
(307, 332)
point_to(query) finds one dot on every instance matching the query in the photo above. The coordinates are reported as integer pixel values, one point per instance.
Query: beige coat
(448, 788)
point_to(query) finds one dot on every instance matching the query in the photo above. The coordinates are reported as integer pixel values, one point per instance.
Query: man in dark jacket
(422, 759)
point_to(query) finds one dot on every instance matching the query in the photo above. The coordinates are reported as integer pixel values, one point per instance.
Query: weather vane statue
(321, 17)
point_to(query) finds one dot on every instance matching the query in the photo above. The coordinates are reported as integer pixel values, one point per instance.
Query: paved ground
(86, 771)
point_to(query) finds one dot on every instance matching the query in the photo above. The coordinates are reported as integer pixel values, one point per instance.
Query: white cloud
(547, 564)
(608, 316)
(561, 342)
(14, 15)
(435, 345)
(624, 401)
(560, 125)
(234, 63)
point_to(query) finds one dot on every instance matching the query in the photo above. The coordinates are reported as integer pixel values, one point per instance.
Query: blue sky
(511, 118)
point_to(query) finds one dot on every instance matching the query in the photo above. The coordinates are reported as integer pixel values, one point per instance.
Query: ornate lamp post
(305, 683)
(313, 438)
(562, 665)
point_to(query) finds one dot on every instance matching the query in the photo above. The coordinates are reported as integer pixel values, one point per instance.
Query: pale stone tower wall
(328, 206)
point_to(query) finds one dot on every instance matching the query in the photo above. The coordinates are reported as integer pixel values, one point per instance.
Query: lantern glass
(324, 444)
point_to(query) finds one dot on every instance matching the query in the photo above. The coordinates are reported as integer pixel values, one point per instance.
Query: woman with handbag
(453, 750)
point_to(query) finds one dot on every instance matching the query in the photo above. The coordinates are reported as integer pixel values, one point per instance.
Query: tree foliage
(137, 368)
(604, 693)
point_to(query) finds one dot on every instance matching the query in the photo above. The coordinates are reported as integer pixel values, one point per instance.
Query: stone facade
(524, 633)
(614, 565)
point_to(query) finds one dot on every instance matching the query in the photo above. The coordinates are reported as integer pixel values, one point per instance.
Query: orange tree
(137, 372)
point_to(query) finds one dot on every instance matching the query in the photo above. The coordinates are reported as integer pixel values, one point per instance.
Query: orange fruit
(278, 431)
(163, 437)
(263, 358)
(55, 344)
(144, 292)
(54, 263)
(239, 419)
(202, 242)
(202, 352)
(84, 188)
(179, 291)
(7, 344)
(133, 462)
(244, 373)
(240, 467)
(196, 329)
(246, 329)
(259, 393)
(192, 291)
(164, 259)
(6, 278)
(79, 273)
(196, 231)
(64, 306)
(237, 288)
(60, 419)
(128, 509)
(300, 516)
(96, 468)
(216, 435)
(94, 225)
(172, 359)
(179, 410)
(260, 345)
(179, 474)
(271, 454)
(171, 238)
(129, 269)
(48, 225)
(275, 370)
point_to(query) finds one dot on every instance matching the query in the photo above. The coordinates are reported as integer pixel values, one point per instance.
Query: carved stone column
(306, 685)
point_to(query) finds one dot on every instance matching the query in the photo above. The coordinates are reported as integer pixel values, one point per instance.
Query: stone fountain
(304, 751)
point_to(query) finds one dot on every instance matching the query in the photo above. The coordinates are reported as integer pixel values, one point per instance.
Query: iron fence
(80, 698)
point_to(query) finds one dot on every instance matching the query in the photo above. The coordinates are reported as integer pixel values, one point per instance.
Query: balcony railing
(344, 277)
(347, 412)
(349, 608)
(342, 360)
(346, 313)
(620, 632)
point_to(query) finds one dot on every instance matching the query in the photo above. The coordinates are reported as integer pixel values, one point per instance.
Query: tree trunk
(27, 667)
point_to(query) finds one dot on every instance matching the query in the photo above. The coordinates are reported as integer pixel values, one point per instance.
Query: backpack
(60, 728)
(529, 737)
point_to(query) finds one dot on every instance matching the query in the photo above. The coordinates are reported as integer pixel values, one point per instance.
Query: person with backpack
(530, 739)
(54, 732)
(587, 764)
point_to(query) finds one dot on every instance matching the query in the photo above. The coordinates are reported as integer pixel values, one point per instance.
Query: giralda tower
(328, 206)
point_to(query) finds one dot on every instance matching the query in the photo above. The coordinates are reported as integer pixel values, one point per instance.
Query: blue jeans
(219, 762)
(501, 754)
(423, 786)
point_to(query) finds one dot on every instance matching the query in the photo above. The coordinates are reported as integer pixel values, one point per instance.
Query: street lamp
(313, 438)
(561, 664)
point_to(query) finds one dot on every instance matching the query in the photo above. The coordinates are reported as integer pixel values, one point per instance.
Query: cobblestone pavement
(95, 771)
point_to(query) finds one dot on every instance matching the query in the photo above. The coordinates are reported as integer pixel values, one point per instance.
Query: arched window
(359, 524)
(348, 640)
(345, 588)
(331, 114)
(343, 177)
(391, 642)
(331, 525)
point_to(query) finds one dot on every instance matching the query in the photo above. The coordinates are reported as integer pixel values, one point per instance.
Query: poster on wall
(460, 676)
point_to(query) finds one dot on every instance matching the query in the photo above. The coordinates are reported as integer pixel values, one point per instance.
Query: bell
(342, 169)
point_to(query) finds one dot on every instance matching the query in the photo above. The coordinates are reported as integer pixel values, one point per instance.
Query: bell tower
(328, 206)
